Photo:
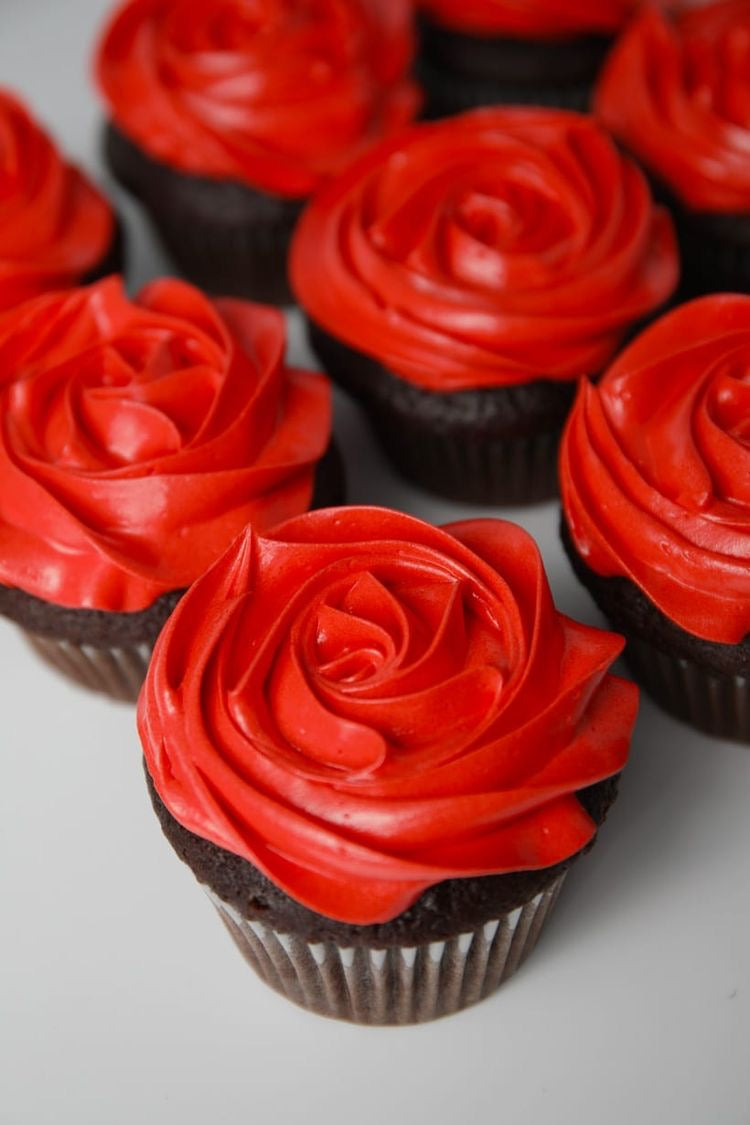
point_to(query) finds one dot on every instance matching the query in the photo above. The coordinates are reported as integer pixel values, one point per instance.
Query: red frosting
(497, 247)
(138, 437)
(273, 93)
(655, 467)
(677, 93)
(531, 18)
(362, 706)
(54, 226)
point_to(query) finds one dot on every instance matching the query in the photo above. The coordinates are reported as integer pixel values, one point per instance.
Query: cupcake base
(714, 247)
(700, 682)
(396, 985)
(224, 236)
(459, 71)
(490, 446)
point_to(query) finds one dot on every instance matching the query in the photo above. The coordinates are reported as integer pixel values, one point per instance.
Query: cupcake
(56, 229)
(379, 747)
(539, 52)
(655, 481)
(676, 93)
(138, 438)
(460, 278)
(226, 116)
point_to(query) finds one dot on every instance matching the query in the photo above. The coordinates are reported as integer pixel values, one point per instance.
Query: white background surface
(122, 1000)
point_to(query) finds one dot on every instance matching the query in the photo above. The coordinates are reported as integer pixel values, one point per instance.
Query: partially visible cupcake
(655, 482)
(56, 229)
(379, 747)
(138, 438)
(460, 278)
(676, 93)
(226, 116)
(538, 52)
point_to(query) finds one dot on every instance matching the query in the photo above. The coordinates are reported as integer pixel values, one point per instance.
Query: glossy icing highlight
(138, 437)
(496, 247)
(362, 705)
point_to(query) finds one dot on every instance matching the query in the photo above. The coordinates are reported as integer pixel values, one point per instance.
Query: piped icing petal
(138, 437)
(355, 784)
(676, 92)
(55, 227)
(655, 467)
(497, 247)
(277, 94)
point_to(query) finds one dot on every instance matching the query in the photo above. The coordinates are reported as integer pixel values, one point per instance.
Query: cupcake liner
(446, 93)
(476, 468)
(116, 671)
(495, 445)
(712, 261)
(397, 985)
(715, 703)
(224, 236)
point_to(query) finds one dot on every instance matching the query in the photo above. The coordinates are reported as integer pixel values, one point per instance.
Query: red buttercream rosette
(655, 468)
(362, 706)
(535, 19)
(496, 247)
(677, 93)
(138, 437)
(275, 93)
(54, 226)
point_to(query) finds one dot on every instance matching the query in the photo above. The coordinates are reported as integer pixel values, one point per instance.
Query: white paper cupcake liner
(118, 671)
(396, 985)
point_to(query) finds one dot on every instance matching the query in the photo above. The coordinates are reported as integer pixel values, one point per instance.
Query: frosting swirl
(55, 226)
(677, 93)
(138, 437)
(531, 18)
(497, 247)
(362, 706)
(273, 93)
(655, 468)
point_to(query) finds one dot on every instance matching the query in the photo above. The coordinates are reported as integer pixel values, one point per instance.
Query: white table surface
(122, 999)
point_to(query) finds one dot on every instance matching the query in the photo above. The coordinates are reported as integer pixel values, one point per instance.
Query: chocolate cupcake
(539, 52)
(460, 278)
(655, 481)
(379, 747)
(676, 92)
(225, 118)
(138, 438)
(56, 229)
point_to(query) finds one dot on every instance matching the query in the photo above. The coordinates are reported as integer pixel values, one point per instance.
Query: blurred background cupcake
(56, 228)
(676, 93)
(224, 117)
(538, 52)
(460, 278)
(139, 437)
(655, 483)
(379, 747)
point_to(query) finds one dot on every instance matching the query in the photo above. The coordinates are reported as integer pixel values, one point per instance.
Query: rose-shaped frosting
(54, 226)
(362, 706)
(677, 93)
(138, 438)
(273, 93)
(496, 247)
(655, 468)
(531, 18)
